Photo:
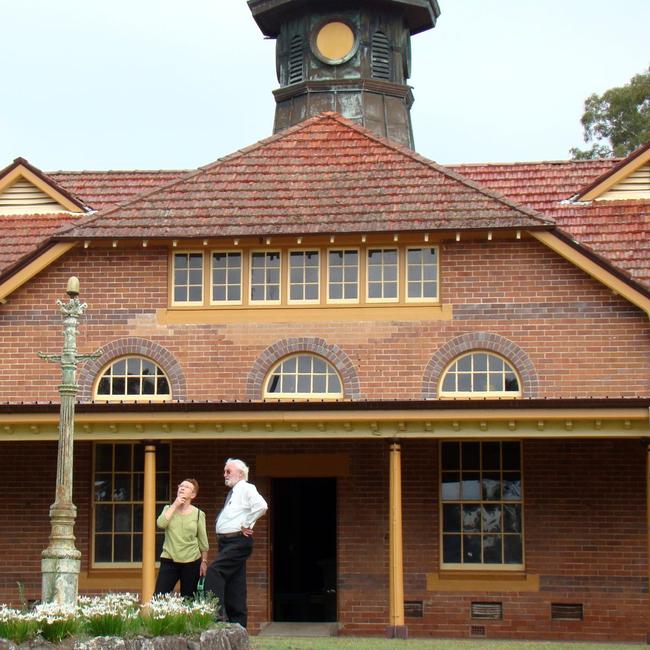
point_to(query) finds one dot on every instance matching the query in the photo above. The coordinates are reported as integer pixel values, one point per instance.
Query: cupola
(352, 57)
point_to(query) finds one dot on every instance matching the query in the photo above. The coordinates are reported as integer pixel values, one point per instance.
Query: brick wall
(580, 339)
(585, 533)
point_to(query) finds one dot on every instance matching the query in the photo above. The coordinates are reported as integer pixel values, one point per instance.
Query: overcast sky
(160, 84)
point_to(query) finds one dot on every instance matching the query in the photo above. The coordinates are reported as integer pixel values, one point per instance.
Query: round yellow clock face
(335, 42)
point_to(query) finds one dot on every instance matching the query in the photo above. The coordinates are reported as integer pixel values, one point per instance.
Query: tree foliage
(618, 121)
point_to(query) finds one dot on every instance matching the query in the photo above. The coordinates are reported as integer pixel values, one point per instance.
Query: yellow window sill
(482, 581)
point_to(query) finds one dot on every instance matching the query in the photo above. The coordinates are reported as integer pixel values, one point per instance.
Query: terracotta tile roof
(104, 190)
(324, 175)
(539, 185)
(23, 234)
(616, 230)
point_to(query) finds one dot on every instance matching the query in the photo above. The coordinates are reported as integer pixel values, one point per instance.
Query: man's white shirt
(245, 506)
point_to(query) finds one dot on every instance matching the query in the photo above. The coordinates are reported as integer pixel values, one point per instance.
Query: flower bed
(118, 621)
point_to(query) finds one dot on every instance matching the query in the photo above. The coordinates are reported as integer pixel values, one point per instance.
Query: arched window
(480, 374)
(296, 74)
(132, 378)
(304, 376)
(380, 56)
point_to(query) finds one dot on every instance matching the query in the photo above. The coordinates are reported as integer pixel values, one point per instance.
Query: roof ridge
(118, 171)
(534, 162)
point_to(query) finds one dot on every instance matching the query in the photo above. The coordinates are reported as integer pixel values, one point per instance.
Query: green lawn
(332, 643)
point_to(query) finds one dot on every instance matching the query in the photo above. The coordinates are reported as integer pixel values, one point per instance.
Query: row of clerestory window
(310, 376)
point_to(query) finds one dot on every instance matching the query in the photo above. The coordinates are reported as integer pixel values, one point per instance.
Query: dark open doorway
(304, 549)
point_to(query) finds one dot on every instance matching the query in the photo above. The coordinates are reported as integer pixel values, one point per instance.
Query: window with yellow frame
(118, 497)
(481, 501)
(303, 376)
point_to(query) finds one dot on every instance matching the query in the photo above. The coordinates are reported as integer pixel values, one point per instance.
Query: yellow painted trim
(617, 177)
(476, 582)
(22, 172)
(34, 268)
(302, 465)
(395, 541)
(594, 270)
(303, 314)
(110, 579)
(149, 525)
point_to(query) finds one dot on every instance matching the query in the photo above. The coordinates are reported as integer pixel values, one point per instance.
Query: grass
(333, 643)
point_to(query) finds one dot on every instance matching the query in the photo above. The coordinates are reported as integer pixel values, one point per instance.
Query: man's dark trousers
(226, 577)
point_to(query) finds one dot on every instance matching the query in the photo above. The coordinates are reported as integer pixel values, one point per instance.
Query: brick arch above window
(332, 353)
(480, 341)
(129, 347)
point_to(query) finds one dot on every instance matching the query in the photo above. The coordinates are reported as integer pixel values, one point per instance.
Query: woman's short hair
(195, 484)
(240, 465)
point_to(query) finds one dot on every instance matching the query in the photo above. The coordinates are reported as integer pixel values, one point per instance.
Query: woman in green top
(184, 554)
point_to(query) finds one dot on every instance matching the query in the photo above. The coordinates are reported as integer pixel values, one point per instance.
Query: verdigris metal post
(60, 561)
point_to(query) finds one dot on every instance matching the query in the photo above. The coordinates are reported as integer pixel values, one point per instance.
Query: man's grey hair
(240, 465)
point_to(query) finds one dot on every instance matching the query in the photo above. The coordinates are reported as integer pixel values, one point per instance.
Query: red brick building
(438, 376)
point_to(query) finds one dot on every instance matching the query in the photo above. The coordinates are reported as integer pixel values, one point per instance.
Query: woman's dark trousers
(171, 572)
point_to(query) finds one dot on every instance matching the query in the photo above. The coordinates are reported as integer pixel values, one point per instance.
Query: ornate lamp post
(61, 560)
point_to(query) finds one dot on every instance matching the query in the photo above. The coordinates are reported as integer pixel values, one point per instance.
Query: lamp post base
(60, 578)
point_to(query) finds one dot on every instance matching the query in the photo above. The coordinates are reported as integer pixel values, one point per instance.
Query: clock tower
(348, 56)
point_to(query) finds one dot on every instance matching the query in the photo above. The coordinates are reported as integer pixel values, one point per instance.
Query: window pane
(103, 457)
(451, 548)
(471, 455)
(103, 487)
(472, 549)
(122, 522)
(491, 519)
(334, 384)
(511, 486)
(492, 549)
(512, 519)
(451, 518)
(122, 548)
(471, 517)
(162, 460)
(122, 458)
(103, 518)
(450, 455)
(511, 455)
(491, 455)
(512, 548)
(162, 487)
(480, 362)
(103, 548)
(491, 486)
(450, 486)
(122, 487)
(471, 486)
